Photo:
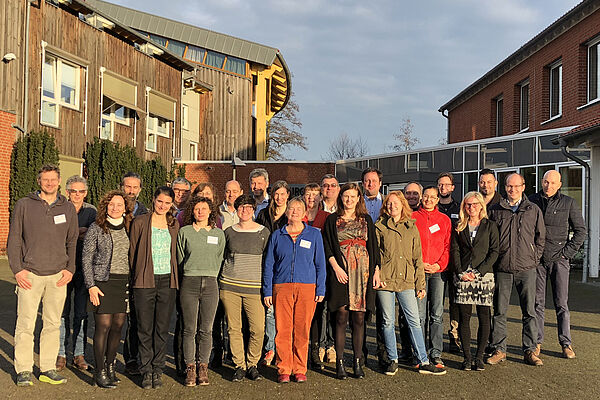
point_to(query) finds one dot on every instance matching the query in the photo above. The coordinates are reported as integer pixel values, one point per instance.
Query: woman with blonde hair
(474, 251)
(401, 277)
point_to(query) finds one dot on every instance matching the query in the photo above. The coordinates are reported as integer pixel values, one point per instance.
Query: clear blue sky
(361, 66)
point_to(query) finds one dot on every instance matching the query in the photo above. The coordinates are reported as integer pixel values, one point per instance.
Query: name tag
(434, 228)
(212, 240)
(453, 216)
(473, 234)
(60, 219)
(305, 244)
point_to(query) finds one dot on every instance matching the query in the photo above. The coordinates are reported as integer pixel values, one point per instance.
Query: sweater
(200, 253)
(302, 261)
(42, 237)
(242, 267)
(97, 255)
(435, 231)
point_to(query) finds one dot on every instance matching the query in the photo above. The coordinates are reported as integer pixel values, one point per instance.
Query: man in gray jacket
(561, 213)
(522, 238)
(42, 241)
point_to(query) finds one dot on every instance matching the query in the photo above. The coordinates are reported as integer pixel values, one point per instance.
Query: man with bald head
(229, 216)
(522, 237)
(413, 192)
(561, 214)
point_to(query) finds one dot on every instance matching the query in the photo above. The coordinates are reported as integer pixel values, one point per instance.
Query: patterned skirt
(479, 291)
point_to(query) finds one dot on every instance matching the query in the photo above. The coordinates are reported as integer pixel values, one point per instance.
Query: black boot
(341, 371)
(358, 371)
(102, 380)
(315, 362)
(110, 371)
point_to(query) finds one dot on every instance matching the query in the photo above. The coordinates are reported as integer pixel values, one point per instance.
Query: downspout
(101, 103)
(447, 124)
(588, 185)
(26, 68)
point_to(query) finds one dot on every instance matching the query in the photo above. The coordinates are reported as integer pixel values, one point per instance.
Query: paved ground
(558, 378)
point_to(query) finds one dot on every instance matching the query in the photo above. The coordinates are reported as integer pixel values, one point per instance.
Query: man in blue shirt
(259, 182)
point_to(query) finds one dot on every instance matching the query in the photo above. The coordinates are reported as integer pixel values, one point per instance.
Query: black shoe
(112, 375)
(253, 373)
(315, 361)
(217, 361)
(438, 362)
(358, 371)
(101, 379)
(466, 365)
(147, 380)
(478, 365)
(24, 379)
(429, 369)
(157, 380)
(132, 368)
(340, 371)
(239, 374)
(392, 368)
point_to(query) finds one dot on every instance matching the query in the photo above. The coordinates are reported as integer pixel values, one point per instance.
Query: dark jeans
(464, 329)
(525, 283)
(78, 339)
(178, 336)
(558, 272)
(132, 342)
(199, 299)
(153, 310)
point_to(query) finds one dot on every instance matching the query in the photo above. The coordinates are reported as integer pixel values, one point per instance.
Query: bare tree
(404, 137)
(343, 147)
(283, 131)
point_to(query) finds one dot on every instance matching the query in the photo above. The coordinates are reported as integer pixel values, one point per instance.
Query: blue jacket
(300, 262)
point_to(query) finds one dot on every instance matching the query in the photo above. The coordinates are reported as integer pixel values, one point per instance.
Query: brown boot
(538, 349)
(79, 363)
(61, 363)
(497, 357)
(568, 352)
(190, 375)
(531, 359)
(202, 374)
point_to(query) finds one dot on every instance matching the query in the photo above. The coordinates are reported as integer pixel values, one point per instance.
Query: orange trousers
(294, 308)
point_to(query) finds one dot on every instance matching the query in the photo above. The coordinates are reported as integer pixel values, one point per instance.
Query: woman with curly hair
(200, 247)
(106, 275)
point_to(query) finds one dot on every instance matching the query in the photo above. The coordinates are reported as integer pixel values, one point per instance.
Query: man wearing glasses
(522, 237)
(330, 189)
(181, 187)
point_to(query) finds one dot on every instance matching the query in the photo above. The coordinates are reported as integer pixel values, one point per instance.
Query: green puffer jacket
(401, 259)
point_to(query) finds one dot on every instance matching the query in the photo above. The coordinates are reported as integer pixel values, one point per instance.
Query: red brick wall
(293, 173)
(472, 119)
(7, 139)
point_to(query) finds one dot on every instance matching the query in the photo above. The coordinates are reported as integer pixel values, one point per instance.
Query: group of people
(283, 277)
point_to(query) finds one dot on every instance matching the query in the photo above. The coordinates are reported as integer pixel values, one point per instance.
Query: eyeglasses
(246, 207)
(330, 185)
(181, 190)
(77, 191)
(427, 197)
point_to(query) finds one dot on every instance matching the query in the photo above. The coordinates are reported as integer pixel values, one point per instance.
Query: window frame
(593, 43)
(185, 112)
(522, 86)
(553, 67)
(499, 107)
(57, 87)
(112, 118)
(193, 145)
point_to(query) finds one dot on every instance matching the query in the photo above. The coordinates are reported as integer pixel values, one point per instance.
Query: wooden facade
(12, 14)
(75, 41)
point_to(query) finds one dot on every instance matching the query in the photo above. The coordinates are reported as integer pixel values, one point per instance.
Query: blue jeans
(408, 301)
(79, 321)
(431, 309)
(270, 330)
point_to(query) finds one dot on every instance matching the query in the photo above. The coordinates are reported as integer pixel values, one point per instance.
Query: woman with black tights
(106, 274)
(474, 251)
(352, 253)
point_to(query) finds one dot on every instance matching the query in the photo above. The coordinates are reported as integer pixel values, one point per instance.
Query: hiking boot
(52, 377)
(202, 372)
(268, 358)
(538, 349)
(315, 361)
(568, 352)
(238, 375)
(157, 382)
(331, 356)
(532, 359)
(147, 380)
(190, 375)
(430, 369)
(253, 373)
(79, 363)
(24, 379)
(497, 357)
(61, 363)
(392, 368)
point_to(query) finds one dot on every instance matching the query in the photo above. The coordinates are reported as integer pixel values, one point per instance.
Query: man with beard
(487, 187)
(413, 192)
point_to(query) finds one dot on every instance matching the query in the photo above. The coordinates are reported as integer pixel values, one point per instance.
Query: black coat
(265, 219)
(561, 212)
(522, 235)
(481, 254)
(336, 293)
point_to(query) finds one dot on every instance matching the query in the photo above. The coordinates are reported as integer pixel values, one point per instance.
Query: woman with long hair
(401, 277)
(199, 254)
(153, 260)
(352, 251)
(474, 250)
(106, 275)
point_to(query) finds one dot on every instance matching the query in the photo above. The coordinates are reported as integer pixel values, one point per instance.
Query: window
(113, 114)
(524, 106)
(555, 90)
(185, 117)
(176, 47)
(499, 115)
(215, 59)
(193, 151)
(195, 53)
(158, 39)
(235, 65)
(593, 71)
(60, 87)
(156, 126)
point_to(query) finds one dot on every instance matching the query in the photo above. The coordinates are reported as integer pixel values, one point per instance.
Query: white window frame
(155, 129)
(111, 126)
(522, 86)
(594, 43)
(185, 112)
(557, 66)
(113, 119)
(193, 151)
(57, 84)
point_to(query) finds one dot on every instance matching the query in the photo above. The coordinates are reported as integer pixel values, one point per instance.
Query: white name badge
(434, 228)
(212, 240)
(305, 244)
(60, 219)
(453, 216)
